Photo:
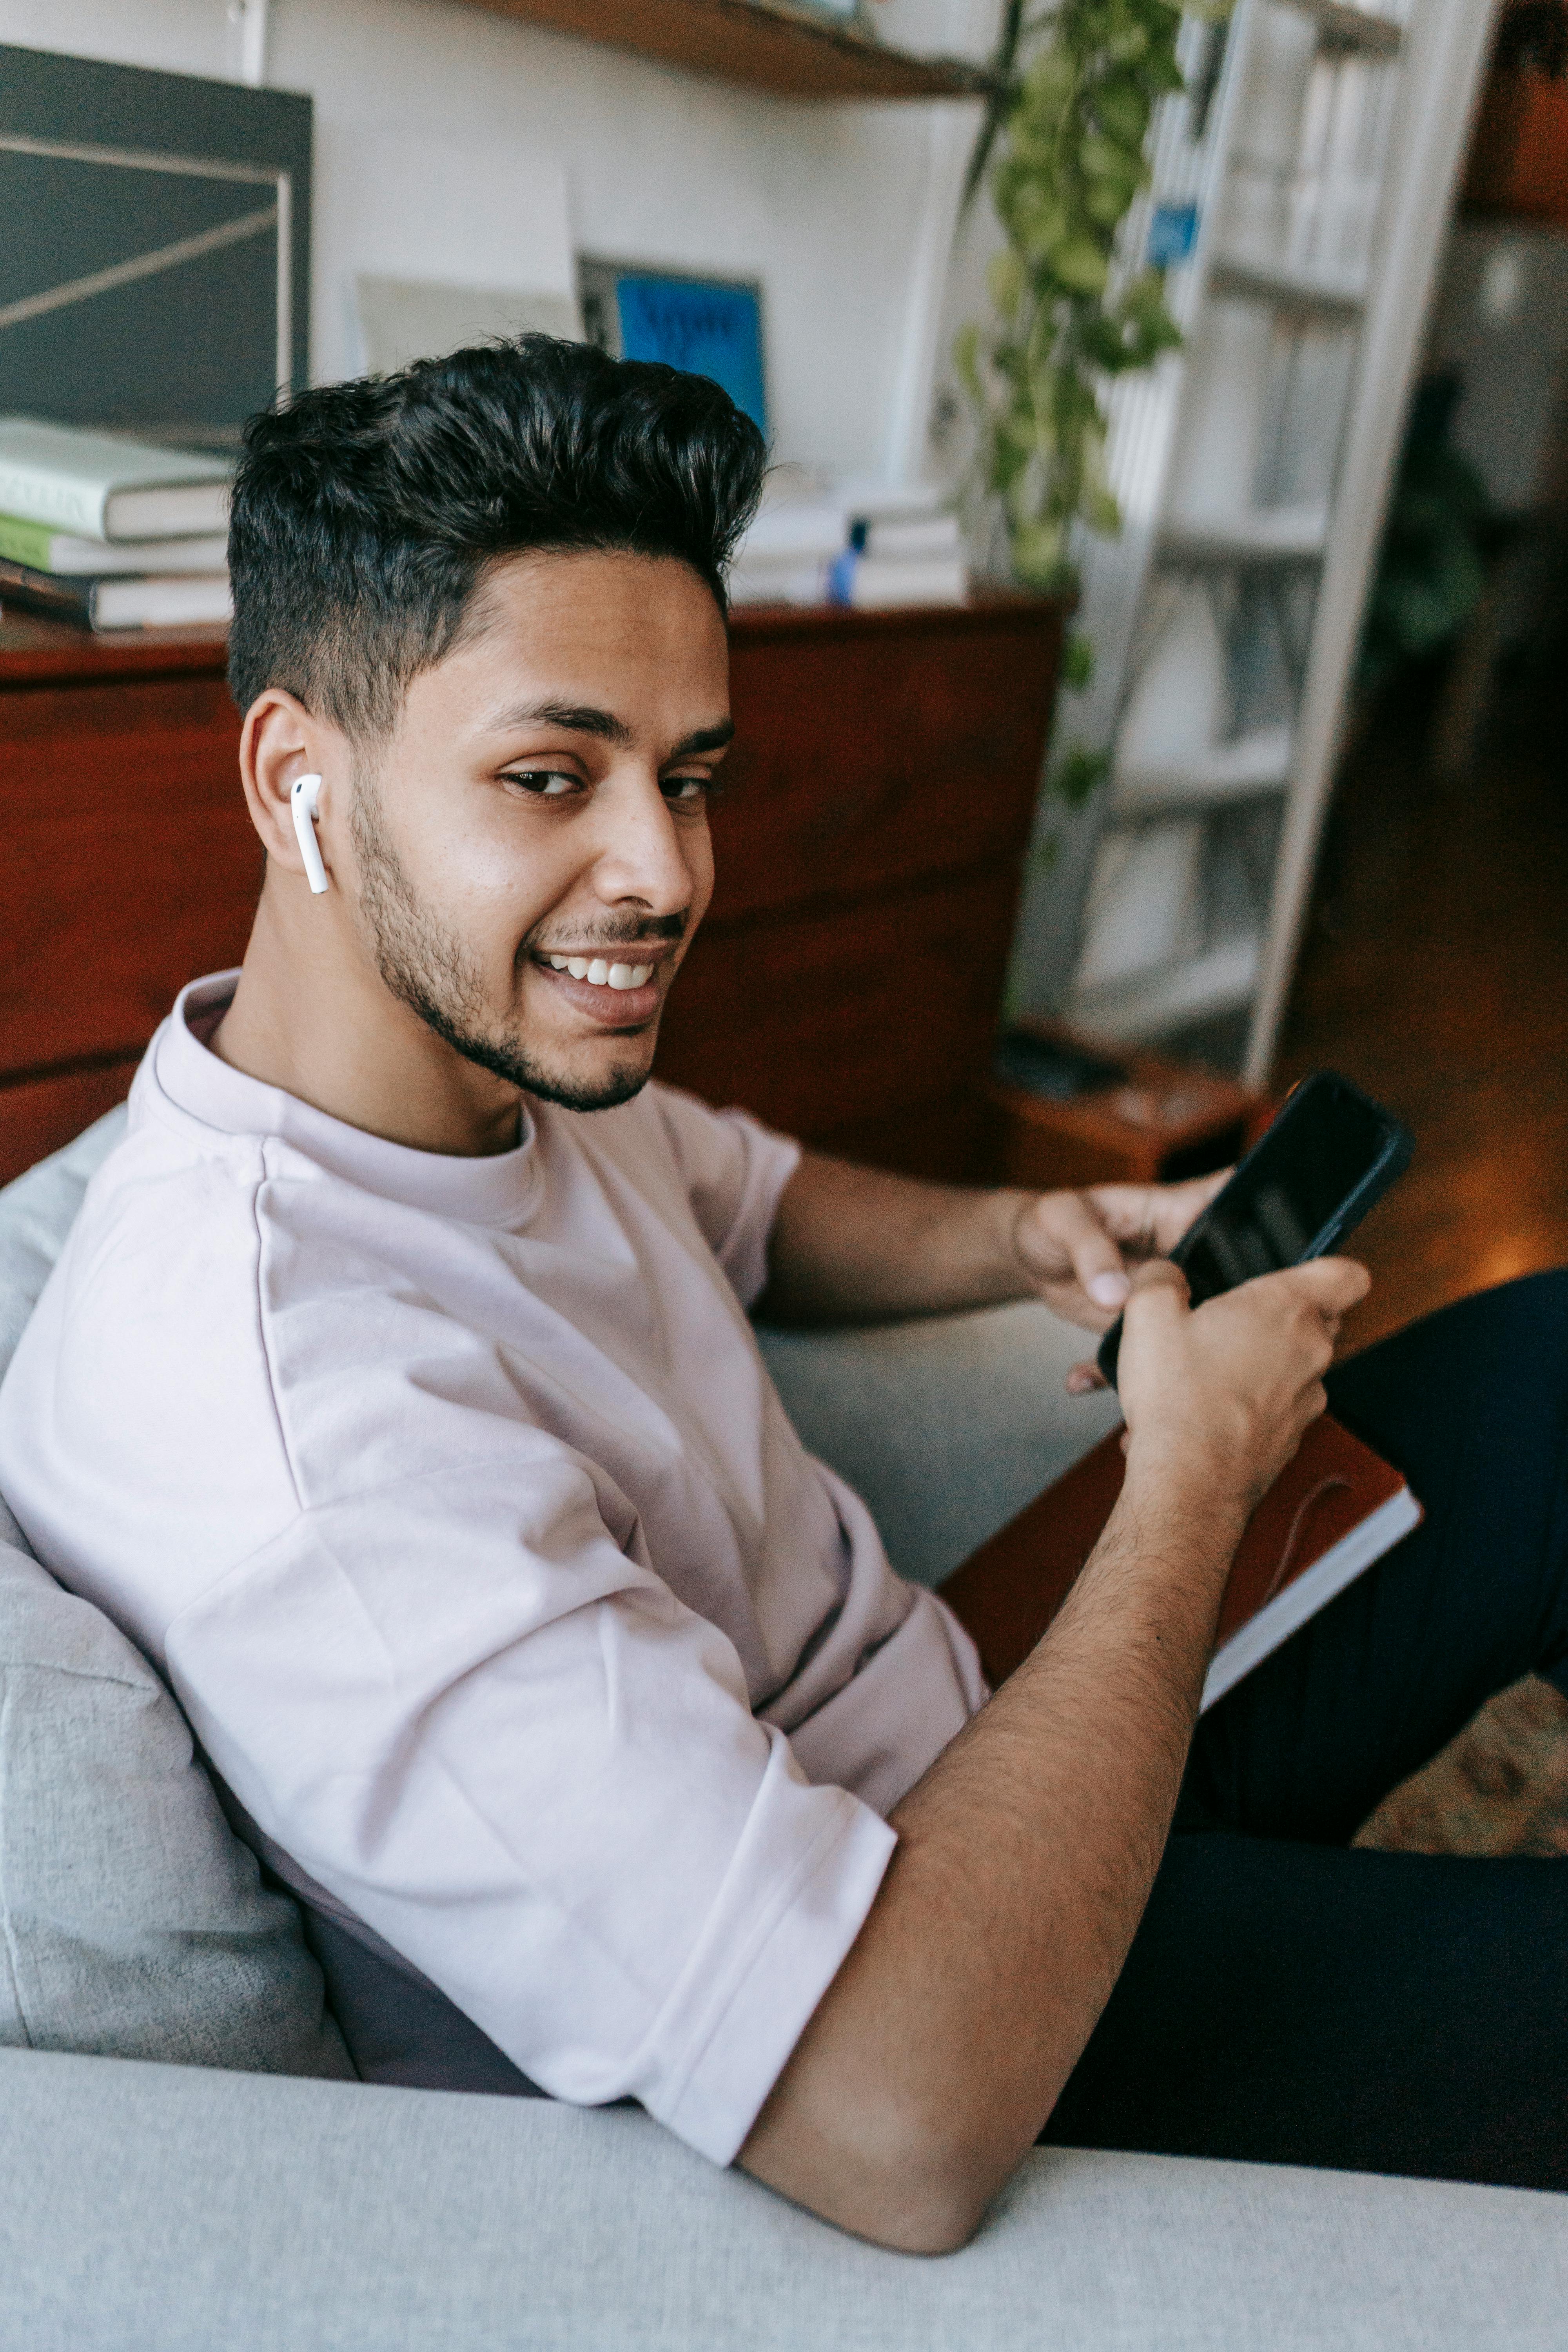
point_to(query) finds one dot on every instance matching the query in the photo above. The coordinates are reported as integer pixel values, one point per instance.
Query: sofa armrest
(149, 2206)
(945, 1426)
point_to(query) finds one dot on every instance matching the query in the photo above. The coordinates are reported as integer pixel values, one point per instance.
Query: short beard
(428, 969)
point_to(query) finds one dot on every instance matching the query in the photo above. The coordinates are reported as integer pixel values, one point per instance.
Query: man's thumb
(1158, 1289)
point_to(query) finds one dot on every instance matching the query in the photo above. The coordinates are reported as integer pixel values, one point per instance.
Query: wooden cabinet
(844, 985)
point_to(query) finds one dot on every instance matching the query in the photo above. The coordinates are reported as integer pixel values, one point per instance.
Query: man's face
(533, 840)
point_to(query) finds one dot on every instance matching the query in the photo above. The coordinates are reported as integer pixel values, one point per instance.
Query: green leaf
(1122, 108)
(1036, 550)
(1080, 265)
(1078, 773)
(1078, 661)
(1005, 283)
(1101, 513)
(1103, 158)
(1050, 82)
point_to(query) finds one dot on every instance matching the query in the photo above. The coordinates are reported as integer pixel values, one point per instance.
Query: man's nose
(645, 853)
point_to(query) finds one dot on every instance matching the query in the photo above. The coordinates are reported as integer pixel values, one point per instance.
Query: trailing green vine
(1064, 137)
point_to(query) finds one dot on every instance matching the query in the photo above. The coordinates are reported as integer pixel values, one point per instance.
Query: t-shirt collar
(497, 1189)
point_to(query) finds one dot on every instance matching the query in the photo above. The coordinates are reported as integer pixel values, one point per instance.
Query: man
(396, 1391)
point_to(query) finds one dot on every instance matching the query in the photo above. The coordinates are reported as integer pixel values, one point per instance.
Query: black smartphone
(1307, 1183)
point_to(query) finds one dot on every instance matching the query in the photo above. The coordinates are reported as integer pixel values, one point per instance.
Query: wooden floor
(1435, 973)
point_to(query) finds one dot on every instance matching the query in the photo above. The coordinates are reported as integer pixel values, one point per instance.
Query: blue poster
(705, 328)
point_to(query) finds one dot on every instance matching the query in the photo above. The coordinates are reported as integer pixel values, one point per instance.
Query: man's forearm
(857, 1245)
(1025, 1857)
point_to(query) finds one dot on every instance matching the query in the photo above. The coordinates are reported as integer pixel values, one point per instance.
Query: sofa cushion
(36, 1214)
(132, 1922)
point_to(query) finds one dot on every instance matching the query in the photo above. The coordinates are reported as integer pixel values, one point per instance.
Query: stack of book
(787, 554)
(100, 529)
(902, 557)
(853, 542)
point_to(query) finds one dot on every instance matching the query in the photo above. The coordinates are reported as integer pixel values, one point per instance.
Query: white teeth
(601, 974)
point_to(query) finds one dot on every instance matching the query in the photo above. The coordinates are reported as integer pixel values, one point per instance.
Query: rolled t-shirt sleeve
(734, 1171)
(549, 1792)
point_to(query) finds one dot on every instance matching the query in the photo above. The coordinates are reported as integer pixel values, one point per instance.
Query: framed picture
(154, 272)
(706, 326)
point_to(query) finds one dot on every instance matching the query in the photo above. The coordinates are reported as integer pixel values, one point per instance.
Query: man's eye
(545, 784)
(690, 790)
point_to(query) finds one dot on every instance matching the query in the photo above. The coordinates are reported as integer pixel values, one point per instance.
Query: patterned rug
(1501, 1787)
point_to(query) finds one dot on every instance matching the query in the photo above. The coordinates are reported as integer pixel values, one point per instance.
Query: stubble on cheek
(427, 967)
(421, 962)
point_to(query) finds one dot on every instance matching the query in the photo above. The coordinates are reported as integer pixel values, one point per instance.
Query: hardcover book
(71, 556)
(100, 487)
(170, 600)
(1337, 1509)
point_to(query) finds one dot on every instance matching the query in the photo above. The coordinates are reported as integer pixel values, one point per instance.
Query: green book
(105, 487)
(70, 556)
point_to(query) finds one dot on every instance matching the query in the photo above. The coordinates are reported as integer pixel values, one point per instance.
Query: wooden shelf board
(37, 651)
(760, 43)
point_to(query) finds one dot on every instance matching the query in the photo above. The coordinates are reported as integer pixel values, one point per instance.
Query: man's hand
(1218, 1396)
(1076, 1250)
(855, 1245)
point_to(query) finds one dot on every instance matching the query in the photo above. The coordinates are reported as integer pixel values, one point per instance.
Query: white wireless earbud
(302, 801)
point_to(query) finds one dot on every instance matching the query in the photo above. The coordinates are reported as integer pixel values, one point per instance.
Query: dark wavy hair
(364, 515)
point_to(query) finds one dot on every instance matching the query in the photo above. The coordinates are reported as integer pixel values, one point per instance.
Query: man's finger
(1071, 1225)
(1084, 1378)
(1177, 1205)
(1158, 1289)
(1335, 1285)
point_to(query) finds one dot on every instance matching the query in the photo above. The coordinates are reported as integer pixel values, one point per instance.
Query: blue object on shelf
(841, 578)
(1172, 233)
(701, 325)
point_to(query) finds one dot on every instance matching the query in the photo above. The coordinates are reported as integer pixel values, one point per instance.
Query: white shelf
(1343, 27)
(1252, 765)
(1261, 535)
(1221, 980)
(1286, 290)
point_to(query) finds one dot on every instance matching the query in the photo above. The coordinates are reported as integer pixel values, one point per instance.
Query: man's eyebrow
(585, 719)
(576, 718)
(706, 738)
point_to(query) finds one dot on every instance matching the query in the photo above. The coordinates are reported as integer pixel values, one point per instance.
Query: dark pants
(1288, 1999)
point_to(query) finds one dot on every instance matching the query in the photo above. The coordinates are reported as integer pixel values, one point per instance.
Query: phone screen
(1287, 1191)
(1327, 1157)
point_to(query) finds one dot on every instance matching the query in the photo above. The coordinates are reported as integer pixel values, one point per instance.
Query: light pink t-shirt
(454, 1500)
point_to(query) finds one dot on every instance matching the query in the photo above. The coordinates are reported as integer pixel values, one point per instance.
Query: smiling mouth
(614, 991)
(599, 972)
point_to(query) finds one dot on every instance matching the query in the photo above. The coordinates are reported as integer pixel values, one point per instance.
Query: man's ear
(279, 742)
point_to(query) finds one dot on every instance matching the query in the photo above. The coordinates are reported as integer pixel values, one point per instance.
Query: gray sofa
(253, 2197)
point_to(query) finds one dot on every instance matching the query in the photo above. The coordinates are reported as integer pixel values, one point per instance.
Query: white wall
(840, 210)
